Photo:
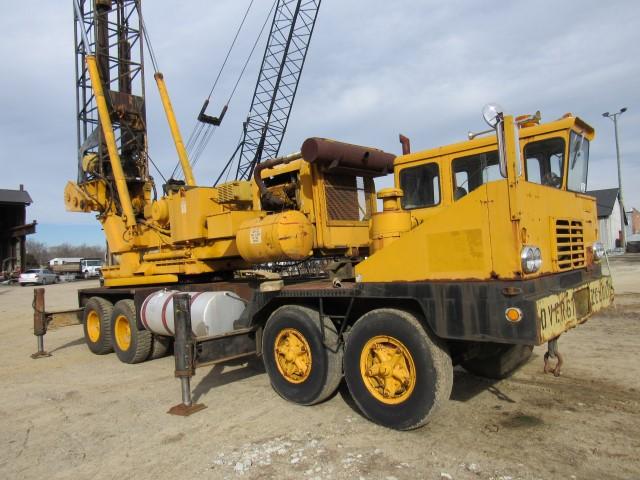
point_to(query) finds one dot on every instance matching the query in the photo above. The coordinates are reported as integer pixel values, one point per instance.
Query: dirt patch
(78, 415)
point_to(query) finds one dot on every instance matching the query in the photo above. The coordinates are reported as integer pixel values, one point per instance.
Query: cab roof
(567, 122)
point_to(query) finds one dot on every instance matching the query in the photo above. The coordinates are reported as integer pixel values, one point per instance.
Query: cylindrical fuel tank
(212, 313)
(275, 238)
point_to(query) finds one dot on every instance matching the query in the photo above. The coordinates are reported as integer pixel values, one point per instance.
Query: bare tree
(39, 254)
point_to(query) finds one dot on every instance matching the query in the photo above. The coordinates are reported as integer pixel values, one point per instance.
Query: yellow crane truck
(482, 249)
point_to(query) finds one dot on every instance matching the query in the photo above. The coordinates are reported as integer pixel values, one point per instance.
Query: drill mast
(113, 29)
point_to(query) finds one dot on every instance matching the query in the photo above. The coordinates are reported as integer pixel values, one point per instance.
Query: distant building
(608, 217)
(634, 221)
(14, 229)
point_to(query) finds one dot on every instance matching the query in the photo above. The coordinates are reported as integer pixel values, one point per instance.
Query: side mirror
(493, 114)
(502, 149)
(508, 144)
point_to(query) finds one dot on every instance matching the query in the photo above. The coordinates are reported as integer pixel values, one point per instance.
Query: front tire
(96, 321)
(130, 344)
(398, 373)
(301, 369)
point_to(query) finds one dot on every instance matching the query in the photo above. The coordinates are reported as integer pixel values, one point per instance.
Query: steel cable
(197, 142)
(244, 67)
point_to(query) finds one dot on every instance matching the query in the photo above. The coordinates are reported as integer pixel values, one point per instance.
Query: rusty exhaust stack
(406, 144)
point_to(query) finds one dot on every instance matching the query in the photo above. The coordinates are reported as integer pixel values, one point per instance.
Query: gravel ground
(77, 415)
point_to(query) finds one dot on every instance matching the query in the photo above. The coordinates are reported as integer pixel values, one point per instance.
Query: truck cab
(503, 212)
(90, 267)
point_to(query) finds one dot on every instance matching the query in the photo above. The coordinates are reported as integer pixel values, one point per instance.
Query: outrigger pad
(184, 411)
(42, 354)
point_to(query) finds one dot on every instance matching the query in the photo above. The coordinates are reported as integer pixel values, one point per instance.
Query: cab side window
(421, 186)
(544, 162)
(472, 171)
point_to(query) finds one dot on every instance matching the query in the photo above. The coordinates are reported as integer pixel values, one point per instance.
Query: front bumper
(475, 310)
(564, 310)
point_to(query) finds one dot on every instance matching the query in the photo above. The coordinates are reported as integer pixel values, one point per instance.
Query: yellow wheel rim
(123, 332)
(293, 355)
(387, 369)
(93, 326)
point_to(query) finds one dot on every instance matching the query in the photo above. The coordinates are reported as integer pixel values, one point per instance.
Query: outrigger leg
(184, 355)
(39, 322)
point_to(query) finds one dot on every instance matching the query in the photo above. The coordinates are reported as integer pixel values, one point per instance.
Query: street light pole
(614, 118)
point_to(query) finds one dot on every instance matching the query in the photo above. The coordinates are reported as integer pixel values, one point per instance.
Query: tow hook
(552, 352)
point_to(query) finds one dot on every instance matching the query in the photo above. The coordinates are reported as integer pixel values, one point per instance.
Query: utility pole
(614, 118)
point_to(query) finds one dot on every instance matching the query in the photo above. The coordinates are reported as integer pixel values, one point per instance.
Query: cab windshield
(578, 163)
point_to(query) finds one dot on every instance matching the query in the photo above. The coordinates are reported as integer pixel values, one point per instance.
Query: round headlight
(531, 259)
(490, 112)
(598, 251)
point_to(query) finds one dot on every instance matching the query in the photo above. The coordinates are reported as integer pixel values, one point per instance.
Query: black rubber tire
(160, 346)
(498, 361)
(326, 365)
(103, 308)
(433, 369)
(140, 345)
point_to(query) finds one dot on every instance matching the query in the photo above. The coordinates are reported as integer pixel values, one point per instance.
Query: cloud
(374, 69)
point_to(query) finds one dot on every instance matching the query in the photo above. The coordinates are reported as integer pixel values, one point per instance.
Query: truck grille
(570, 244)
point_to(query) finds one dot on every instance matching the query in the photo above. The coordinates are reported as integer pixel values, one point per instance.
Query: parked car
(633, 243)
(37, 276)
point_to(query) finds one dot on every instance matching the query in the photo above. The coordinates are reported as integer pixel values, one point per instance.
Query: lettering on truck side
(600, 293)
(558, 313)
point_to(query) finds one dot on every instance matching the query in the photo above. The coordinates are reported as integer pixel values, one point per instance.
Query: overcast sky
(375, 68)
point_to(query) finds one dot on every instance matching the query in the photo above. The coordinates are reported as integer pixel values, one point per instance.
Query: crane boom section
(277, 84)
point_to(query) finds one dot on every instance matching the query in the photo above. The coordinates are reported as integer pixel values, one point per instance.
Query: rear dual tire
(130, 344)
(109, 328)
(96, 322)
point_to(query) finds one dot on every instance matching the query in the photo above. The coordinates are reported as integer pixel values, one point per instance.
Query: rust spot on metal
(183, 410)
(511, 291)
